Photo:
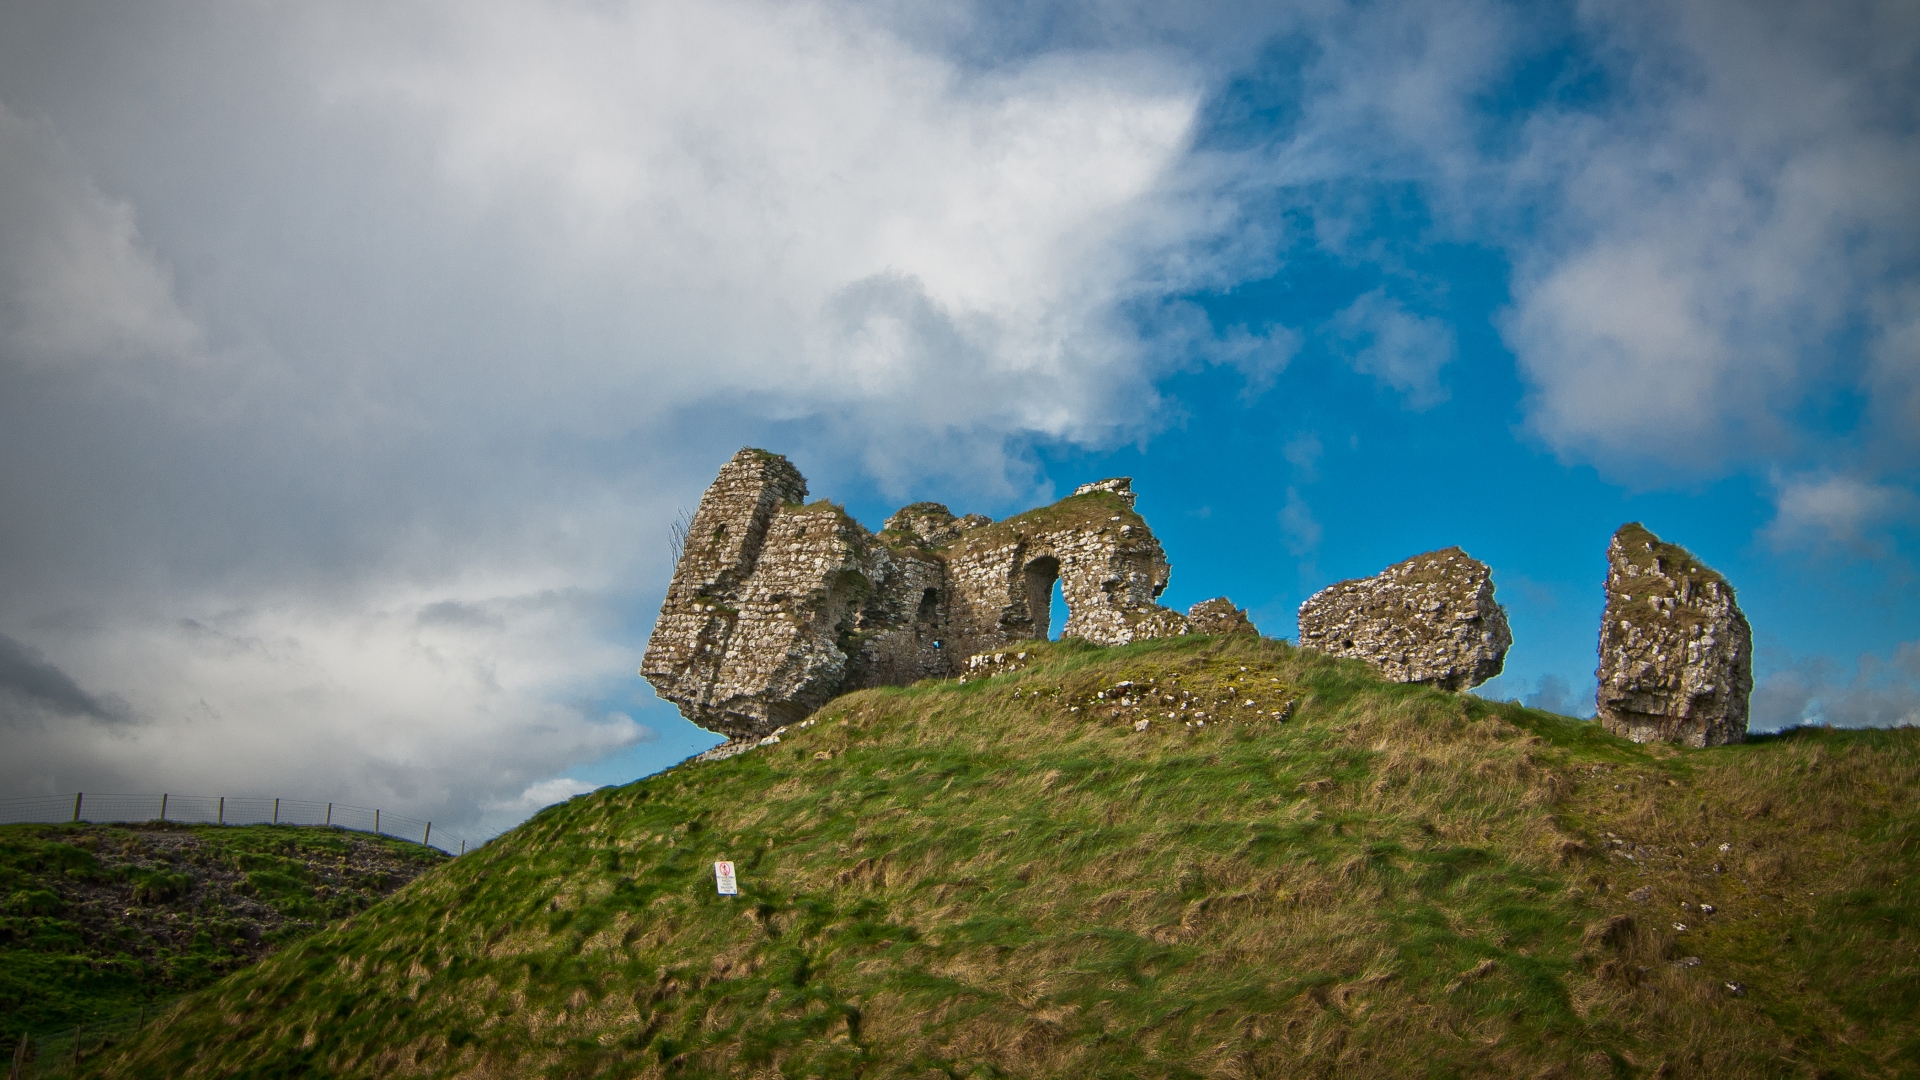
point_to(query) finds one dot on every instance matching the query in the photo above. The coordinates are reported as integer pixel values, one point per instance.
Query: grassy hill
(101, 919)
(1332, 877)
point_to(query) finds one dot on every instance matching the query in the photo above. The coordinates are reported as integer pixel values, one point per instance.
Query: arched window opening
(1042, 575)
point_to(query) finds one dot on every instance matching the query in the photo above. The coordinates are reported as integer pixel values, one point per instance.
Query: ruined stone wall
(1109, 566)
(899, 637)
(1219, 616)
(775, 606)
(1676, 653)
(1431, 619)
(694, 638)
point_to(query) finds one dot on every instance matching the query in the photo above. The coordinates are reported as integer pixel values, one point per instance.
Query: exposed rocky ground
(101, 918)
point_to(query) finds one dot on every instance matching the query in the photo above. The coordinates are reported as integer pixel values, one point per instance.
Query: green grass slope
(1006, 878)
(98, 920)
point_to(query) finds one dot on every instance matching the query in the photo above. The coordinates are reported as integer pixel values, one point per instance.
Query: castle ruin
(777, 604)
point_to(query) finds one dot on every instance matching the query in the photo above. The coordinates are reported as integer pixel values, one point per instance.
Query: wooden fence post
(329, 814)
(376, 821)
(276, 811)
(163, 806)
(77, 796)
(425, 840)
(223, 809)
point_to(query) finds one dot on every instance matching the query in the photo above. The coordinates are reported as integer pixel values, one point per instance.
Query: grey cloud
(457, 613)
(27, 676)
(1879, 692)
(379, 327)
(1816, 511)
(1551, 692)
(1556, 694)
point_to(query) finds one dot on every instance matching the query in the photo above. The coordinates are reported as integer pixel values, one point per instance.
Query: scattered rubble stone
(1119, 485)
(1233, 700)
(1219, 616)
(1431, 619)
(778, 604)
(987, 665)
(1676, 654)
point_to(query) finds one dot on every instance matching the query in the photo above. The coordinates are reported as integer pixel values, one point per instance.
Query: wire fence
(60, 1053)
(42, 1057)
(224, 810)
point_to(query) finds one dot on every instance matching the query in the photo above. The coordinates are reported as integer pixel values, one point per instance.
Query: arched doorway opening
(1042, 576)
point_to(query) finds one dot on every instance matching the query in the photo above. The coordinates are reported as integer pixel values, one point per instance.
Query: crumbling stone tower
(778, 604)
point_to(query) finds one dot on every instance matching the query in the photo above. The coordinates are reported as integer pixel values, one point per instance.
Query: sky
(356, 358)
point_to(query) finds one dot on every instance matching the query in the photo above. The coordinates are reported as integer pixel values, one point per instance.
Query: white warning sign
(723, 877)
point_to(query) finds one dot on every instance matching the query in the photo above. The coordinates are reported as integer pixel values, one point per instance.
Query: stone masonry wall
(1109, 566)
(1431, 619)
(692, 657)
(1676, 653)
(777, 606)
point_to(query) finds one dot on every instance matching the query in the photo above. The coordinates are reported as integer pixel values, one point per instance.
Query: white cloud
(1893, 375)
(1259, 357)
(793, 205)
(1715, 228)
(1399, 349)
(548, 792)
(1303, 453)
(1843, 510)
(1298, 526)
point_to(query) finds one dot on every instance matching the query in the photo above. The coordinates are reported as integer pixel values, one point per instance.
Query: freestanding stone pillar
(1676, 654)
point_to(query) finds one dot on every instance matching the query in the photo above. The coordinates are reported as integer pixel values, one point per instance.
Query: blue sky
(354, 362)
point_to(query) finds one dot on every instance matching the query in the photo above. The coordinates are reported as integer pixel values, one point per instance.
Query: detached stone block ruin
(1431, 619)
(1676, 654)
(778, 605)
(1219, 616)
